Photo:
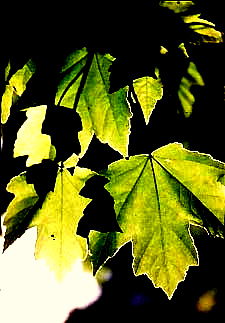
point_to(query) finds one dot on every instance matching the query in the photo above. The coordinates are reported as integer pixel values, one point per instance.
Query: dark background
(48, 37)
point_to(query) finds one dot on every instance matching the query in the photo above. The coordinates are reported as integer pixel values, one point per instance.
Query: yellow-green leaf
(153, 211)
(57, 221)
(15, 88)
(19, 212)
(107, 115)
(148, 91)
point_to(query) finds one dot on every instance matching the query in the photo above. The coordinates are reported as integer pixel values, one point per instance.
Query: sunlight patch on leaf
(30, 141)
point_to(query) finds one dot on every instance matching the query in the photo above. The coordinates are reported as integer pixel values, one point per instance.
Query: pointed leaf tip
(148, 91)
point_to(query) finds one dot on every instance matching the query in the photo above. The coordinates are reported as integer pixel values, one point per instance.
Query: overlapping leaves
(156, 197)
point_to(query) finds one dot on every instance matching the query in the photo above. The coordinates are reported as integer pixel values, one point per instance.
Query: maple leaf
(57, 242)
(56, 218)
(85, 83)
(150, 204)
(148, 91)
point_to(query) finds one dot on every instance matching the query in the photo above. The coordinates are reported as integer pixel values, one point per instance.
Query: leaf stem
(70, 84)
(84, 78)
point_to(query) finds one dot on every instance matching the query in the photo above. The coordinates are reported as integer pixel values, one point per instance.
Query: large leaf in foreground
(150, 203)
(57, 221)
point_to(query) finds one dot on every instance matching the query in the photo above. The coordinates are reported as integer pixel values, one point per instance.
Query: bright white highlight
(30, 293)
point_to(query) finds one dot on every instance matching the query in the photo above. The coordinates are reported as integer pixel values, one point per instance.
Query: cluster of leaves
(149, 199)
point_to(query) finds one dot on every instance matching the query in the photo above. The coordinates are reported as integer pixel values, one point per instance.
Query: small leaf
(30, 141)
(15, 88)
(148, 91)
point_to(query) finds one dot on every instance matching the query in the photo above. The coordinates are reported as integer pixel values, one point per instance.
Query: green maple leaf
(15, 87)
(150, 194)
(31, 141)
(56, 219)
(148, 91)
(85, 80)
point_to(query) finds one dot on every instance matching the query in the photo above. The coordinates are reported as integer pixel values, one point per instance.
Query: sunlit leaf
(57, 221)
(106, 115)
(15, 88)
(148, 91)
(150, 194)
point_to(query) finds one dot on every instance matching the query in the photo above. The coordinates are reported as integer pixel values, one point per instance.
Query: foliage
(156, 195)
